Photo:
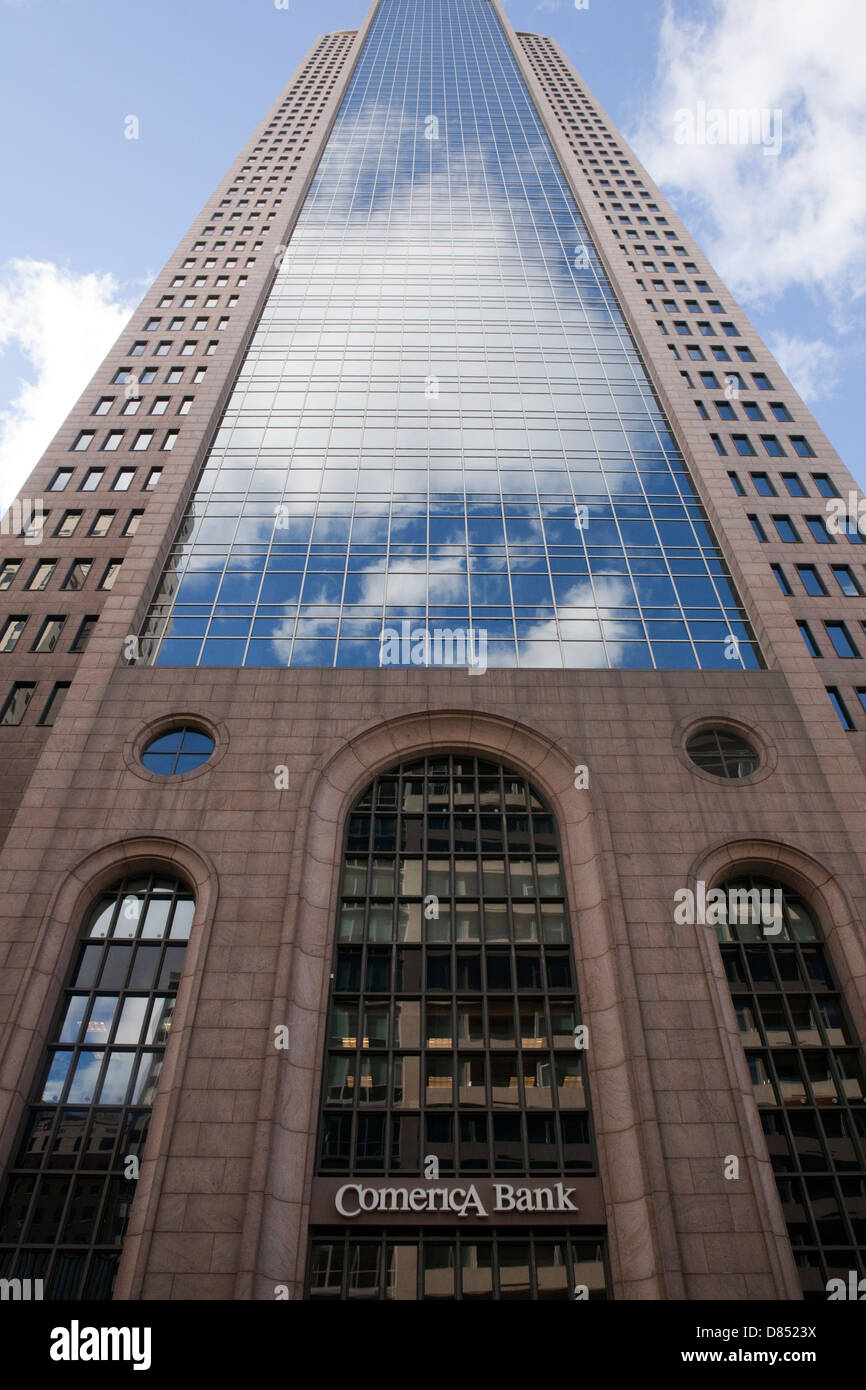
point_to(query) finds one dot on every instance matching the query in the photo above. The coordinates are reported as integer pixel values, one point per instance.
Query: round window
(722, 753)
(178, 751)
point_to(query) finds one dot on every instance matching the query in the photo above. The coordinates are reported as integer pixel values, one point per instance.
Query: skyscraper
(432, 852)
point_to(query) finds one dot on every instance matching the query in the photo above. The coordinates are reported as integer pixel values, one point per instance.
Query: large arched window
(451, 1032)
(69, 1191)
(807, 1075)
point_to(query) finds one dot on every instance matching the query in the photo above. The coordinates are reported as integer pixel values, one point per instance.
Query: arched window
(453, 1051)
(807, 1075)
(69, 1190)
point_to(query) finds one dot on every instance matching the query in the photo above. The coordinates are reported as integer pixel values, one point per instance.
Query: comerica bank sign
(354, 1198)
(371, 1201)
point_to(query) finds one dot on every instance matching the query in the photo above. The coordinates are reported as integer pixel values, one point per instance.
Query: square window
(16, 703)
(188, 349)
(142, 440)
(130, 407)
(772, 446)
(840, 707)
(782, 579)
(811, 581)
(752, 410)
(846, 581)
(806, 634)
(825, 485)
(818, 529)
(83, 441)
(695, 353)
(842, 644)
(11, 631)
(160, 405)
(725, 410)
(68, 524)
(174, 375)
(762, 381)
(709, 379)
(137, 349)
(101, 524)
(762, 485)
(721, 354)
(49, 635)
(60, 480)
(121, 376)
(123, 480)
(112, 441)
(802, 447)
(111, 572)
(743, 445)
(794, 485)
(82, 637)
(92, 478)
(8, 571)
(729, 330)
(780, 411)
(147, 376)
(199, 376)
(132, 523)
(707, 330)
(162, 349)
(103, 405)
(170, 440)
(786, 529)
(77, 576)
(184, 407)
(745, 354)
(153, 478)
(54, 703)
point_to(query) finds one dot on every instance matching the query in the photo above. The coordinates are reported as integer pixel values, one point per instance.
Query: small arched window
(69, 1191)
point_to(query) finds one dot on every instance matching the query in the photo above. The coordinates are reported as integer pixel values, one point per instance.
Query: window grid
(496, 1264)
(67, 1197)
(453, 1035)
(808, 1081)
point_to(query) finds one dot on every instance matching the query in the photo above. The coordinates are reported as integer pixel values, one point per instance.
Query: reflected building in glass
(442, 418)
(431, 639)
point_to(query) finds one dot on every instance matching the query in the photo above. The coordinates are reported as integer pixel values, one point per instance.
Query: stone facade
(223, 1198)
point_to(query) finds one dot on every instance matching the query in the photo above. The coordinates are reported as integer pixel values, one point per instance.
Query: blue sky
(90, 217)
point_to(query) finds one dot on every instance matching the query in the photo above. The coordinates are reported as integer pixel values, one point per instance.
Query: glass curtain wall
(442, 422)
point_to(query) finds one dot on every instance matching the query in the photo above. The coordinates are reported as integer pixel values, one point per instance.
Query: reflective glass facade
(442, 419)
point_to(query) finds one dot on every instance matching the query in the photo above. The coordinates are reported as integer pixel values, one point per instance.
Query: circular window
(722, 753)
(178, 751)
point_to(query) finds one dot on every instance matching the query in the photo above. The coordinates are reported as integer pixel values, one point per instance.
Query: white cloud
(770, 222)
(63, 324)
(812, 366)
